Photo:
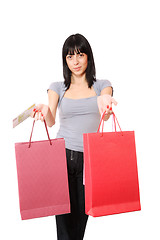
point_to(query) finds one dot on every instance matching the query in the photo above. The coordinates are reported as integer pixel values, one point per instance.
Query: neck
(78, 80)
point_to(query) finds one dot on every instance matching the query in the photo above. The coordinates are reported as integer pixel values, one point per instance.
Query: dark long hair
(79, 44)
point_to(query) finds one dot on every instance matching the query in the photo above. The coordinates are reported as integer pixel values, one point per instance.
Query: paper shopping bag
(111, 176)
(42, 178)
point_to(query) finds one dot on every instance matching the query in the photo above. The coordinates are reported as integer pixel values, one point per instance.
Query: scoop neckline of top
(80, 98)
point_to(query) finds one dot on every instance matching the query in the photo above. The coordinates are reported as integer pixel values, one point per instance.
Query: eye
(69, 57)
(81, 55)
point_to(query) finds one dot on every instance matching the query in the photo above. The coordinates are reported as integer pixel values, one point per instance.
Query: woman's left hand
(105, 104)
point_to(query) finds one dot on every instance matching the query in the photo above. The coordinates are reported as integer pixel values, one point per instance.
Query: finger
(42, 117)
(114, 101)
(33, 113)
(107, 109)
(36, 116)
(110, 110)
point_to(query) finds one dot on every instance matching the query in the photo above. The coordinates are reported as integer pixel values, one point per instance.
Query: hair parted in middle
(79, 44)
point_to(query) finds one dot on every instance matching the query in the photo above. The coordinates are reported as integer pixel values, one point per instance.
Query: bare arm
(53, 98)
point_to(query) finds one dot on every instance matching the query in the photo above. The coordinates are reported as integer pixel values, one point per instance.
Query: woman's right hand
(40, 112)
(47, 112)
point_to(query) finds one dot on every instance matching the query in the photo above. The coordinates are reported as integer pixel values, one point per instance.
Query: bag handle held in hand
(114, 120)
(32, 133)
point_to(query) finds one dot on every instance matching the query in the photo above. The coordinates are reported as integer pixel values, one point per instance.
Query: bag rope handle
(32, 133)
(114, 120)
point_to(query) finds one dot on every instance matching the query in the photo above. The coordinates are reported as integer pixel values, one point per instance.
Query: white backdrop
(124, 36)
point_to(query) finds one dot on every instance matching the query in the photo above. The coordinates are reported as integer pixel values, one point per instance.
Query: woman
(81, 100)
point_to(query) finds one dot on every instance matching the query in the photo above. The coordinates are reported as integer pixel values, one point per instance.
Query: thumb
(114, 101)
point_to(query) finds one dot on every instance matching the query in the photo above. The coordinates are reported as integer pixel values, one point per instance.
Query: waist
(72, 131)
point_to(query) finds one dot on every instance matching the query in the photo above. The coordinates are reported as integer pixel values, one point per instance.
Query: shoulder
(58, 87)
(99, 85)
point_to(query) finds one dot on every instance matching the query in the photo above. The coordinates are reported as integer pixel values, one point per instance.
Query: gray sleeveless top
(77, 116)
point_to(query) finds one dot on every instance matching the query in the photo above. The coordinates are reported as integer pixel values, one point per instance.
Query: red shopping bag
(42, 178)
(111, 176)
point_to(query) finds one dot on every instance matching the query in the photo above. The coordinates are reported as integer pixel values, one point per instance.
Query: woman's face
(77, 63)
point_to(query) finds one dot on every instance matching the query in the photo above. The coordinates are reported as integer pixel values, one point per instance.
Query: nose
(75, 59)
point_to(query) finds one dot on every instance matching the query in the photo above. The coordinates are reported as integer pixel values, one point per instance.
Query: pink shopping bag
(42, 177)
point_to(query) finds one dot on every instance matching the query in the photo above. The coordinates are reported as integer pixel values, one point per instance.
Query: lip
(77, 69)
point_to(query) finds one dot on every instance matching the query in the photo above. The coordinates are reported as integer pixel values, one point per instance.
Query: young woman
(81, 100)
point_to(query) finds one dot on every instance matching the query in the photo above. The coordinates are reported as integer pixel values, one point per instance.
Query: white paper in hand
(23, 116)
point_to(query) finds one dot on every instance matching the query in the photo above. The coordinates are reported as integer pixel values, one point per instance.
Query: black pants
(72, 226)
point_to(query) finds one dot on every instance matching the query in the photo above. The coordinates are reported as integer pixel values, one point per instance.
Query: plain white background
(124, 36)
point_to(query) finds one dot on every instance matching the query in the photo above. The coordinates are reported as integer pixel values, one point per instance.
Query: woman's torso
(78, 113)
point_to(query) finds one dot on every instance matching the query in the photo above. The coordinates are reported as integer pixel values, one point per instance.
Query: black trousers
(72, 226)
